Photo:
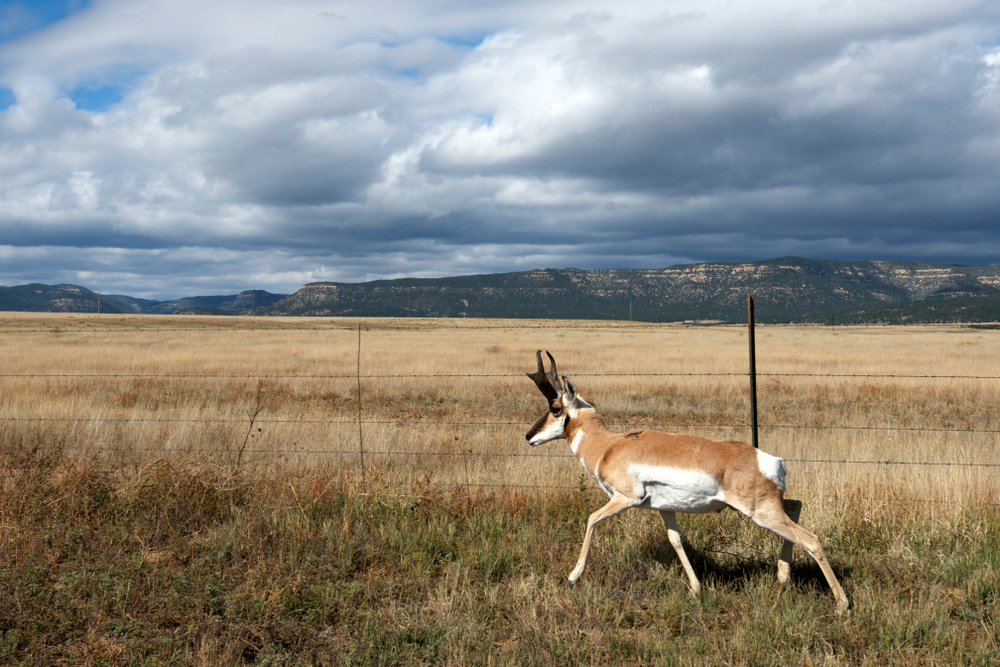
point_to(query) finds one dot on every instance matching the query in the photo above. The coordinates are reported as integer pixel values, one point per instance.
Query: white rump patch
(773, 468)
(676, 490)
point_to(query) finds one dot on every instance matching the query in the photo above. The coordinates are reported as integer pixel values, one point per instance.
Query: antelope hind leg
(792, 508)
(773, 517)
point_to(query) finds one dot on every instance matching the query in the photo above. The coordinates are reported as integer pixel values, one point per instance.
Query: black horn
(548, 382)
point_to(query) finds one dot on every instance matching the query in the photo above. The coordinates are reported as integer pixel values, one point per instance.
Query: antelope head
(562, 403)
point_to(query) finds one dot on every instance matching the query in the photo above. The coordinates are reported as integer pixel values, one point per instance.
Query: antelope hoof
(784, 572)
(843, 607)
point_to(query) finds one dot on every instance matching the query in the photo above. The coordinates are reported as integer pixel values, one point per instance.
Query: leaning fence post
(361, 439)
(753, 373)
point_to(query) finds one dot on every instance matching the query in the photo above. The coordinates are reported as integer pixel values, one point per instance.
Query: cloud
(157, 147)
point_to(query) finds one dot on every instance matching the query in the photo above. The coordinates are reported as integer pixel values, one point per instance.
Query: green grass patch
(183, 563)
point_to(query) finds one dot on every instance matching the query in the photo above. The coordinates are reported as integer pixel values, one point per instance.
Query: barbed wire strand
(402, 423)
(590, 489)
(594, 488)
(377, 376)
(350, 327)
(485, 455)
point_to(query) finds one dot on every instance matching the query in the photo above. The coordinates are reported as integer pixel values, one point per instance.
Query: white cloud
(272, 140)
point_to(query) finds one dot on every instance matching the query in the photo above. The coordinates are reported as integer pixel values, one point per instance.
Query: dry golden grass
(129, 535)
(446, 401)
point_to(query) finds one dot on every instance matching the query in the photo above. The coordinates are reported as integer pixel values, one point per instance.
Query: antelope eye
(555, 410)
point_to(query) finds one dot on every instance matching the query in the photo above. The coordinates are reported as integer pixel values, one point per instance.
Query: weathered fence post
(361, 439)
(753, 373)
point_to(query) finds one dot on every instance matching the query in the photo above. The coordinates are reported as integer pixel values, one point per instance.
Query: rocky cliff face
(784, 289)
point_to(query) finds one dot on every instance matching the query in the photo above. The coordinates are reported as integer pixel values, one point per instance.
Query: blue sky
(26, 16)
(164, 149)
(18, 19)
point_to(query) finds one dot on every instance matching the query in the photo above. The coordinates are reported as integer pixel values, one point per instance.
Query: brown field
(127, 390)
(188, 490)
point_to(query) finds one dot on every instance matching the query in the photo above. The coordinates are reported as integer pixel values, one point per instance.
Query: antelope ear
(570, 389)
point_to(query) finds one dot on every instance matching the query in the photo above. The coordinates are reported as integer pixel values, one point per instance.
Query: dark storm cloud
(264, 145)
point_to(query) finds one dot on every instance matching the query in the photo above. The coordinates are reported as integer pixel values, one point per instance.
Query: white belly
(676, 490)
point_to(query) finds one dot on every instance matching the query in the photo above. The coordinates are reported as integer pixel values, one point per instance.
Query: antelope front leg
(792, 508)
(618, 503)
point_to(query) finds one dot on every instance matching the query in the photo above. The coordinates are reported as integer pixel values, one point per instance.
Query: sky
(169, 148)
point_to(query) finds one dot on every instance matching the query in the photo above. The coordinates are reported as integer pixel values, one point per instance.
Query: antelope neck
(586, 422)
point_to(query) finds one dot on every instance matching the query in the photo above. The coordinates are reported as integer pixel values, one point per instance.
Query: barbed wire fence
(360, 378)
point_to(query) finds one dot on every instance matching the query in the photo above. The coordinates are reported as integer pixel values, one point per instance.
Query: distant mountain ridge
(236, 303)
(983, 307)
(786, 289)
(74, 299)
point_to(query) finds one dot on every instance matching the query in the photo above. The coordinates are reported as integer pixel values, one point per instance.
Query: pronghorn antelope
(673, 473)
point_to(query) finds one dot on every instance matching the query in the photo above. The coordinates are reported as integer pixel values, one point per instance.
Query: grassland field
(189, 490)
